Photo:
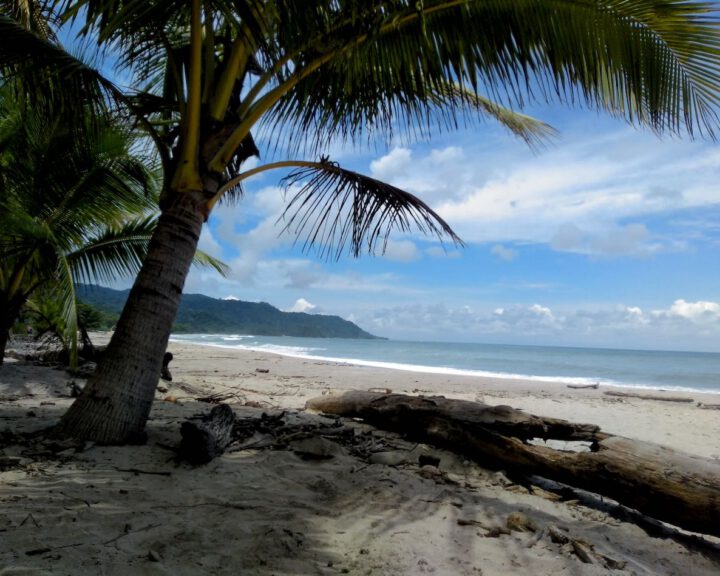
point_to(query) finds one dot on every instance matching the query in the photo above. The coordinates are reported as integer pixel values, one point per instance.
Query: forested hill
(202, 314)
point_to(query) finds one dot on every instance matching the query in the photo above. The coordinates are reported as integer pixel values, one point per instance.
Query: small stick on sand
(708, 406)
(648, 396)
(583, 386)
(137, 471)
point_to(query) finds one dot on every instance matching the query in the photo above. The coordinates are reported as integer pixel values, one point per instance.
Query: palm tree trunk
(10, 316)
(116, 402)
(4, 335)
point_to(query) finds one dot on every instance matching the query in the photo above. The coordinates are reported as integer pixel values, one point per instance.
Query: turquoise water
(638, 368)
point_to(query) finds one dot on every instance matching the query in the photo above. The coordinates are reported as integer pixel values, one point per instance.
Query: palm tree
(208, 74)
(75, 205)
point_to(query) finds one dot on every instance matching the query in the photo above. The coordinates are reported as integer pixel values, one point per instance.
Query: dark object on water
(165, 372)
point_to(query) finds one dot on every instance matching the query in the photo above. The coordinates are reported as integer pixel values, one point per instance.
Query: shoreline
(450, 371)
(287, 382)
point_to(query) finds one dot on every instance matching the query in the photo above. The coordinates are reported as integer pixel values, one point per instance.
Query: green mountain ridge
(205, 315)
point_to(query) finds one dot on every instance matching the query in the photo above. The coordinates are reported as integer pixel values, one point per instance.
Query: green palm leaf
(652, 62)
(112, 251)
(336, 208)
(50, 76)
(118, 251)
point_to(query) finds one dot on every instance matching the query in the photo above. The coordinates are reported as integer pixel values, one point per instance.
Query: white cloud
(568, 237)
(631, 239)
(634, 315)
(208, 243)
(504, 253)
(301, 274)
(680, 326)
(440, 252)
(401, 251)
(302, 305)
(591, 194)
(448, 154)
(437, 176)
(697, 312)
(393, 165)
(542, 311)
(251, 229)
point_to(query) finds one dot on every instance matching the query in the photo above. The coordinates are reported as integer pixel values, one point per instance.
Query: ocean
(691, 371)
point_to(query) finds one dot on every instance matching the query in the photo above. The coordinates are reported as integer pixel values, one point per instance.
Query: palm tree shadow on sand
(135, 509)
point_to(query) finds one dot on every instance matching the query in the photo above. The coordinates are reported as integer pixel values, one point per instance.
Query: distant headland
(204, 315)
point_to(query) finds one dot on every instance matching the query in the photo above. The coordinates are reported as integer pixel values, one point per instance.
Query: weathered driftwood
(206, 438)
(648, 396)
(708, 406)
(584, 386)
(677, 488)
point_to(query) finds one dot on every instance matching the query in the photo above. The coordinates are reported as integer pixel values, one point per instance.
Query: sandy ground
(135, 510)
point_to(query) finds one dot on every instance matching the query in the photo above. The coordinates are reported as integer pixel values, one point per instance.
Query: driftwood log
(584, 386)
(708, 406)
(680, 489)
(649, 396)
(206, 438)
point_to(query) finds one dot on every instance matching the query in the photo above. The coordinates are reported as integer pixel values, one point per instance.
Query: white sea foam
(305, 352)
(445, 370)
(254, 343)
(293, 351)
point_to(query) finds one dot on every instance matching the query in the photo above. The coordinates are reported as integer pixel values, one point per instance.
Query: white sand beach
(134, 510)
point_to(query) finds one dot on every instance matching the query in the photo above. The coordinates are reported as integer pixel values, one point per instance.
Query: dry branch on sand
(658, 397)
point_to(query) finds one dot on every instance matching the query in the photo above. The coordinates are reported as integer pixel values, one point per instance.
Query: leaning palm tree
(209, 75)
(76, 204)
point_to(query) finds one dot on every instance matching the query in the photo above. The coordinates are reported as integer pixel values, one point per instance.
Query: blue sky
(608, 236)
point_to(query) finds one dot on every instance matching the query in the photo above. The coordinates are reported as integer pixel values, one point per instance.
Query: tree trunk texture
(4, 336)
(116, 401)
(10, 314)
(680, 489)
(206, 438)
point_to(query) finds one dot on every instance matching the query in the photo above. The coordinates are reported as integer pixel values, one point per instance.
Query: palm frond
(35, 16)
(118, 251)
(534, 132)
(336, 208)
(46, 75)
(205, 260)
(652, 62)
(113, 252)
(65, 287)
(21, 234)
